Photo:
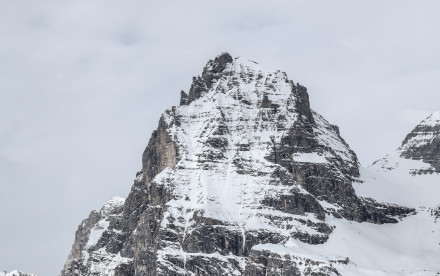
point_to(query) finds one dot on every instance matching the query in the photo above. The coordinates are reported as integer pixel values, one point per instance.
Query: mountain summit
(423, 143)
(243, 178)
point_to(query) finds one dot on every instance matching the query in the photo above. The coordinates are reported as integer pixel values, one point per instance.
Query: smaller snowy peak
(410, 175)
(423, 144)
(427, 132)
(219, 63)
(432, 120)
(15, 273)
(419, 152)
(225, 72)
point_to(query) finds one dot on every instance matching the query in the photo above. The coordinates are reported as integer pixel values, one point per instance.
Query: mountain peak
(423, 143)
(245, 80)
(242, 168)
(432, 120)
(211, 72)
(222, 60)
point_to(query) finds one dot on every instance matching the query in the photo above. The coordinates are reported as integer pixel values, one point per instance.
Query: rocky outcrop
(98, 242)
(201, 84)
(231, 180)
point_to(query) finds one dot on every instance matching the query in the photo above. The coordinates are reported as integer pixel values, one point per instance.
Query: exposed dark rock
(435, 212)
(183, 98)
(211, 73)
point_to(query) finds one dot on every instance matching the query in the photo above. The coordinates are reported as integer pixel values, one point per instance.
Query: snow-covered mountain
(243, 178)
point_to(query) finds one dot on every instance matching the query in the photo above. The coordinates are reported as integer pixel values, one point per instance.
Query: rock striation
(232, 181)
(423, 143)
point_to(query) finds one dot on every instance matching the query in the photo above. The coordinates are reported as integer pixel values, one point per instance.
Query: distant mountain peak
(423, 143)
(432, 120)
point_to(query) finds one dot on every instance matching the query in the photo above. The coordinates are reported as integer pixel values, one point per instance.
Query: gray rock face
(98, 242)
(423, 143)
(230, 180)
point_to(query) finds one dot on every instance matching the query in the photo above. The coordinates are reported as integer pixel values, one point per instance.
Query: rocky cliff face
(240, 179)
(98, 243)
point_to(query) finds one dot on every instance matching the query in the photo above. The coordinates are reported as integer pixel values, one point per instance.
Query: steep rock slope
(243, 178)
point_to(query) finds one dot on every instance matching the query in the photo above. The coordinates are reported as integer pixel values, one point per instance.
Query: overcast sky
(83, 84)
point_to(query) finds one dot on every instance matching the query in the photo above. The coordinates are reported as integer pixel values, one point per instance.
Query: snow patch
(312, 157)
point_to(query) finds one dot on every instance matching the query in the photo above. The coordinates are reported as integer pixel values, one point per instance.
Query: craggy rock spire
(211, 73)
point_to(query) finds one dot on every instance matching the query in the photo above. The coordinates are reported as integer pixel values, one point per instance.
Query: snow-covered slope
(243, 178)
(409, 177)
